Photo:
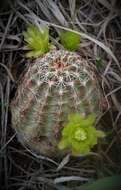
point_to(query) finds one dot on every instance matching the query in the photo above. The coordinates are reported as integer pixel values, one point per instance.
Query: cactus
(55, 85)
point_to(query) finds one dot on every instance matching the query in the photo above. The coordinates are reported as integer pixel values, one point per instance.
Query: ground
(99, 25)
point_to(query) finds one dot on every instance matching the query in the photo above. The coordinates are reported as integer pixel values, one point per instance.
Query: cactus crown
(62, 69)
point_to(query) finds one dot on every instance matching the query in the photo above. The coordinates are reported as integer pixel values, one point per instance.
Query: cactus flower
(70, 40)
(37, 40)
(79, 134)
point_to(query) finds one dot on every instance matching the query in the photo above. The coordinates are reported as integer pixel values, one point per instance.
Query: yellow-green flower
(79, 135)
(37, 40)
(70, 40)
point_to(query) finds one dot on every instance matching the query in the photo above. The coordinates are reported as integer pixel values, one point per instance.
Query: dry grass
(99, 25)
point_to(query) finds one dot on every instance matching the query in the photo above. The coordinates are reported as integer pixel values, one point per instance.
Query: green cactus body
(55, 85)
